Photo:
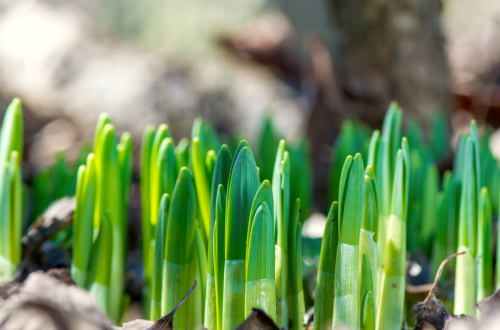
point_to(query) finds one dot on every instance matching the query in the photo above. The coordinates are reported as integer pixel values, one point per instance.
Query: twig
(438, 275)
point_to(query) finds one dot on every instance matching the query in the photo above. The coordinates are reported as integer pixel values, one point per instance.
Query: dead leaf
(11, 288)
(43, 302)
(58, 216)
(136, 325)
(490, 305)
(258, 320)
(167, 321)
(36, 255)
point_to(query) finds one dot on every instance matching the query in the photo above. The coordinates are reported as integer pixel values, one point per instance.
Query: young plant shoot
(242, 187)
(101, 219)
(11, 190)
(347, 305)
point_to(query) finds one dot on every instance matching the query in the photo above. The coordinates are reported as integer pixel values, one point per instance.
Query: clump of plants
(100, 219)
(240, 235)
(232, 220)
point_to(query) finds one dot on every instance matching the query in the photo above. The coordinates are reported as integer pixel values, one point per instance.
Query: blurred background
(305, 65)
(308, 65)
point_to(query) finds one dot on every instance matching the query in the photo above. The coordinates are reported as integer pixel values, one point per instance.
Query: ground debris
(460, 322)
(167, 321)
(43, 302)
(8, 289)
(38, 253)
(164, 323)
(258, 320)
(58, 216)
(136, 325)
(431, 312)
(490, 305)
(11, 288)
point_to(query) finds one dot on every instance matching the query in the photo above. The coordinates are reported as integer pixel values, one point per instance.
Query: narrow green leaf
(202, 184)
(347, 307)
(145, 165)
(370, 212)
(468, 203)
(368, 313)
(343, 186)
(219, 250)
(296, 251)
(373, 154)
(157, 280)
(165, 171)
(182, 153)
(260, 263)
(101, 122)
(7, 268)
(162, 133)
(210, 161)
(484, 258)
(282, 237)
(16, 209)
(465, 278)
(366, 281)
(439, 247)
(264, 194)
(474, 136)
(11, 151)
(83, 222)
(301, 171)
(352, 201)
(391, 136)
(297, 307)
(325, 294)
(220, 176)
(268, 144)
(100, 285)
(110, 203)
(368, 235)
(391, 286)
(276, 183)
(125, 163)
(428, 229)
(201, 258)
(243, 186)
(260, 289)
(181, 264)
(199, 131)
(181, 221)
